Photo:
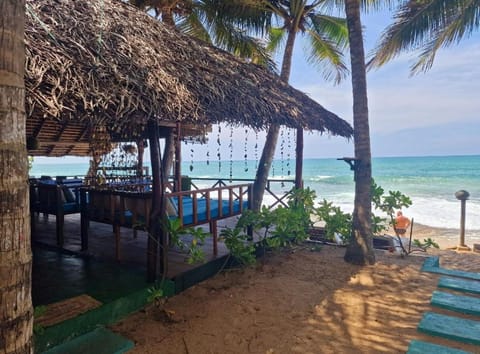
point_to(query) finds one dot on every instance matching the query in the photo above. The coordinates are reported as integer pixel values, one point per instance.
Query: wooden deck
(133, 258)
(133, 251)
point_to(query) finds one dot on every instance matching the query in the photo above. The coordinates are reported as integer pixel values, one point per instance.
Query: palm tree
(328, 37)
(16, 313)
(427, 25)
(360, 248)
(215, 22)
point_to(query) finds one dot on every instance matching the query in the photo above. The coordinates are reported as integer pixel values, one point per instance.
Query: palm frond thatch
(103, 63)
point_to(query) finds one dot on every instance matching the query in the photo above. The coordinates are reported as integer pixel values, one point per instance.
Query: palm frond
(246, 15)
(192, 24)
(325, 55)
(331, 27)
(427, 25)
(276, 38)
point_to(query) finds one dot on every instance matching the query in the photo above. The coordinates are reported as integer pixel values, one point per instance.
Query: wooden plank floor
(133, 251)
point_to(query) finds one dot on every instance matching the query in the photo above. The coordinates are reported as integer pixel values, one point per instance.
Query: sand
(303, 300)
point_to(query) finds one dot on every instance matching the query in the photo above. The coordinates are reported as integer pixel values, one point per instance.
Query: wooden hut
(100, 72)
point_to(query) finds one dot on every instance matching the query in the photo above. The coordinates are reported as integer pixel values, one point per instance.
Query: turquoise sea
(430, 182)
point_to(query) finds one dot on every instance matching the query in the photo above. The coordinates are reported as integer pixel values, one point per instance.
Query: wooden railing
(235, 193)
(279, 199)
(111, 207)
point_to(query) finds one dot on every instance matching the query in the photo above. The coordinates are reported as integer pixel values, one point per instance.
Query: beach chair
(55, 197)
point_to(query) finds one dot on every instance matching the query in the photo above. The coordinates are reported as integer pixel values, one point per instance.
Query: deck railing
(279, 198)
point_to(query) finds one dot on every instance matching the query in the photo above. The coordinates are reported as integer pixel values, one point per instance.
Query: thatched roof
(103, 63)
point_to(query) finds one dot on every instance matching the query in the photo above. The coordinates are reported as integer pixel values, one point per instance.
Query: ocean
(430, 182)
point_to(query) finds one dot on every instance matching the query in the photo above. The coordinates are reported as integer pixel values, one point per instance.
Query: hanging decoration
(231, 153)
(191, 158)
(245, 156)
(218, 149)
(282, 149)
(256, 151)
(118, 165)
(289, 149)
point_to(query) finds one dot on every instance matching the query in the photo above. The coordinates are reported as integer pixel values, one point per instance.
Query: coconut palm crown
(427, 25)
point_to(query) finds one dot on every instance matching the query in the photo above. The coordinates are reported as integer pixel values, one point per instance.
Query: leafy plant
(155, 294)
(282, 226)
(336, 221)
(239, 245)
(177, 235)
(395, 200)
(38, 311)
(427, 243)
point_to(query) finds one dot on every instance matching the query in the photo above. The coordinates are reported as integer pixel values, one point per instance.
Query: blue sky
(433, 113)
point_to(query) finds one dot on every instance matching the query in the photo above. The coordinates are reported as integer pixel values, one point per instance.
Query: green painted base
(463, 285)
(420, 347)
(463, 304)
(104, 315)
(460, 329)
(431, 265)
(99, 341)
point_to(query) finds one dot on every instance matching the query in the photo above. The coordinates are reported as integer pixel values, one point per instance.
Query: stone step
(464, 285)
(463, 304)
(459, 329)
(421, 347)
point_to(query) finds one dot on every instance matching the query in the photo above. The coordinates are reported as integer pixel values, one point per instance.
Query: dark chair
(59, 198)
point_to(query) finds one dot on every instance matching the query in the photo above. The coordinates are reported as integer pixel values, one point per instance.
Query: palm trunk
(272, 136)
(16, 312)
(168, 153)
(360, 249)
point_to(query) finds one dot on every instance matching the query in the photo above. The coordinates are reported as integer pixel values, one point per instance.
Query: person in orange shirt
(401, 224)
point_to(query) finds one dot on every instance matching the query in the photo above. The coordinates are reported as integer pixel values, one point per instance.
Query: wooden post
(299, 160)
(155, 229)
(462, 195)
(141, 150)
(168, 153)
(178, 160)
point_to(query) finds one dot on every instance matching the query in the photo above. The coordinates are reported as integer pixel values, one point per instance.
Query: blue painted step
(432, 265)
(463, 304)
(420, 347)
(468, 286)
(98, 341)
(460, 329)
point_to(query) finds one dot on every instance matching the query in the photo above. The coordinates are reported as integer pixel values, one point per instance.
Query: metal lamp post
(462, 195)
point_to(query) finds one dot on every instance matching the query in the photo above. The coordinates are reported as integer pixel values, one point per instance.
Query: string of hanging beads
(256, 150)
(289, 145)
(230, 145)
(219, 144)
(245, 153)
(191, 157)
(282, 149)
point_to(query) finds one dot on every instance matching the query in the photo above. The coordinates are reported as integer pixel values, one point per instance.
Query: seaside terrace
(107, 81)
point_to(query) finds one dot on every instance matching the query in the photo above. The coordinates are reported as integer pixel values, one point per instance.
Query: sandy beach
(303, 300)
(446, 238)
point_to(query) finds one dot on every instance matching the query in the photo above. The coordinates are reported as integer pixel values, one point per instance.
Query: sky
(432, 113)
(435, 113)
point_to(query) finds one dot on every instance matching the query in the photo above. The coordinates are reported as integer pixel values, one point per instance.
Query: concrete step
(463, 304)
(459, 329)
(421, 347)
(98, 341)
